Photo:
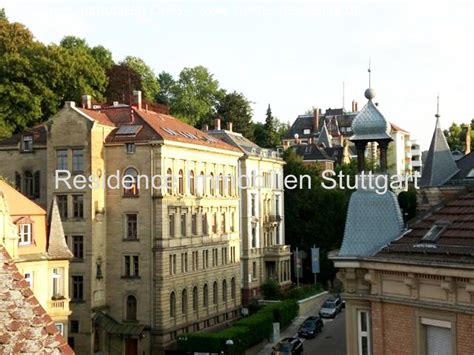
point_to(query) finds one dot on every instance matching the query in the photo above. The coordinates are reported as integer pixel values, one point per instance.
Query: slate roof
(455, 242)
(57, 247)
(439, 165)
(369, 124)
(311, 152)
(38, 132)
(465, 166)
(373, 220)
(25, 327)
(324, 137)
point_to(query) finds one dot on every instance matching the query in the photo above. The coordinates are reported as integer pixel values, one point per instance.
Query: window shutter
(18, 180)
(36, 184)
(438, 341)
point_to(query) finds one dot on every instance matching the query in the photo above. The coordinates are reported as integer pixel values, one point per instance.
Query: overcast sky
(291, 54)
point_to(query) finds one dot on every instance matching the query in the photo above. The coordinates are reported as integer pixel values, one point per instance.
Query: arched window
(212, 184)
(184, 302)
(230, 191)
(205, 298)
(232, 288)
(224, 291)
(172, 304)
(214, 293)
(131, 308)
(221, 185)
(130, 182)
(201, 184)
(169, 182)
(195, 298)
(29, 184)
(192, 183)
(180, 182)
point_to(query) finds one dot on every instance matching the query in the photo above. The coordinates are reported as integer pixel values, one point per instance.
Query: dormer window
(306, 131)
(130, 147)
(27, 144)
(434, 233)
(470, 175)
(24, 231)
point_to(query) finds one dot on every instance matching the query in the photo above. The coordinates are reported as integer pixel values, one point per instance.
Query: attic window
(27, 144)
(170, 131)
(306, 131)
(434, 233)
(128, 130)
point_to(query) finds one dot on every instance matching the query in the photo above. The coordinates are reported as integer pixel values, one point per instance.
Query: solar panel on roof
(128, 130)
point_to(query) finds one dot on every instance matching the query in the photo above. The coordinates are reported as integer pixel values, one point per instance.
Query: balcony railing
(61, 304)
(276, 250)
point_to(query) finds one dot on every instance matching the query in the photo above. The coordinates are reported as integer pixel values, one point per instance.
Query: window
(130, 183)
(230, 190)
(27, 143)
(29, 188)
(232, 222)
(223, 222)
(184, 302)
(74, 328)
(254, 236)
(201, 183)
(254, 270)
(195, 299)
(214, 293)
(183, 224)
(29, 278)
(252, 205)
(224, 291)
(205, 292)
(363, 332)
(131, 220)
(172, 305)
(171, 225)
(61, 159)
(194, 224)
(25, 233)
(78, 206)
(195, 260)
(277, 205)
(221, 185)
(173, 264)
(184, 262)
(131, 266)
(131, 313)
(214, 257)
(17, 180)
(224, 256)
(62, 206)
(60, 328)
(212, 183)
(77, 288)
(205, 227)
(180, 182)
(169, 182)
(58, 285)
(192, 183)
(214, 223)
(78, 246)
(130, 148)
(438, 336)
(205, 259)
(434, 233)
(77, 160)
(232, 288)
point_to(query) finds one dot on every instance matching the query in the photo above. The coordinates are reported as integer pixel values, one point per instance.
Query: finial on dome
(370, 93)
(437, 107)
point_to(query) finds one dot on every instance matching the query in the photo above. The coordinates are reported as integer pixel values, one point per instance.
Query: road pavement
(331, 341)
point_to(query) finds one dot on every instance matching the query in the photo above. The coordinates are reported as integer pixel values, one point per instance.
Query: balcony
(276, 251)
(58, 307)
(272, 219)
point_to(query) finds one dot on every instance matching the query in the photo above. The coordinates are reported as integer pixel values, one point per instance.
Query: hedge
(244, 333)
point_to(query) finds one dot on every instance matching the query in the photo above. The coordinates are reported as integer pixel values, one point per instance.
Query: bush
(258, 324)
(284, 312)
(299, 293)
(271, 290)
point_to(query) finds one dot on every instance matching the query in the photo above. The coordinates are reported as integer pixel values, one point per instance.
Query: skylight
(128, 130)
(170, 131)
(434, 233)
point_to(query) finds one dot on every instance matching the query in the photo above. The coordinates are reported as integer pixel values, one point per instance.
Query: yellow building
(149, 263)
(39, 251)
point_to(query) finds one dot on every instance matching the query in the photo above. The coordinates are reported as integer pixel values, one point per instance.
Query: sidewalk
(288, 332)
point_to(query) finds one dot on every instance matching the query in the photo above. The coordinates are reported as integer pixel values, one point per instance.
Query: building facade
(264, 254)
(150, 262)
(400, 153)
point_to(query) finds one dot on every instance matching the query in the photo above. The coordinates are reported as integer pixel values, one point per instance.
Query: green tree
(167, 84)
(149, 82)
(122, 81)
(271, 136)
(195, 96)
(102, 56)
(456, 136)
(234, 107)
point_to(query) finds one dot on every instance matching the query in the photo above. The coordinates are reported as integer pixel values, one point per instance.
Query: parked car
(288, 346)
(331, 307)
(310, 327)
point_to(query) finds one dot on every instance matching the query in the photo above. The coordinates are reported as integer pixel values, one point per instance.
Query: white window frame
(25, 236)
(363, 334)
(29, 278)
(60, 327)
(27, 143)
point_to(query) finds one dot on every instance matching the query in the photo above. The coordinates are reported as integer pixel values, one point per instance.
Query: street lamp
(228, 344)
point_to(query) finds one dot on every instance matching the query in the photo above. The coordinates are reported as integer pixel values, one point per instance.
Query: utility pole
(297, 268)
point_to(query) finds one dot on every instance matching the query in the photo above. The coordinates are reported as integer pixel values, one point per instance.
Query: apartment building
(149, 263)
(39, 251)
(400, 153)
(264, 254)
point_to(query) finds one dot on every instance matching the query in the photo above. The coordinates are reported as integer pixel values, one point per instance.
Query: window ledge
(130, 240)
(77, 301)
(124, 277)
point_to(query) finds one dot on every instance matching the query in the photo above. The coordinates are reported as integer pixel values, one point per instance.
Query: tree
(122, 81)
(102, 56)
(456, 136)
(167, 84)
(235, 108)
(271, 136)
(195, 95)
(149, 82)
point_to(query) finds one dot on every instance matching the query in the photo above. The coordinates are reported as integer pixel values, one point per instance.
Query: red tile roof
(97, 116)
(456, 239)
(25, 327)
(397, 128)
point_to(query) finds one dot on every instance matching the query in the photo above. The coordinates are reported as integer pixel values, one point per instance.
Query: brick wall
(465, 332)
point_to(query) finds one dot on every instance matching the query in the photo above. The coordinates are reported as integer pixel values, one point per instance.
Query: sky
(293, 55)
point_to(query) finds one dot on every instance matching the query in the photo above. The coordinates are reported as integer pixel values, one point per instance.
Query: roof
(57, 247)
(311, 152)
(25, 325)
(111, 326)
(439, 165)
(465, 166)
(456, 240)
(97, 116)
(373, 220)
(369, 124)
(18, 203)
(324, 137)
(38, 132)
(245, 145)
(394, 127)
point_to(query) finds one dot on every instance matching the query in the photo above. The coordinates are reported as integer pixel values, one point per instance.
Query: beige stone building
(38, 250)
(150, 263)
(264, 254)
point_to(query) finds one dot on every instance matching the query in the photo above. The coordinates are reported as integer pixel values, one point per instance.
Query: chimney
(229, 126)
(356, 109)
(467, 141)
(69, 104)
(206, 128)
(86, 101)
(115, 103)
(217, 125)
(137, 99)
(316, 112)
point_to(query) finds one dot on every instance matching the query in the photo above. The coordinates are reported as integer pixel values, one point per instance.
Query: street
(331, 341)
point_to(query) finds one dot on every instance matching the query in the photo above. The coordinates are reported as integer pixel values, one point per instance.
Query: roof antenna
(370, 76)
(437, 106)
